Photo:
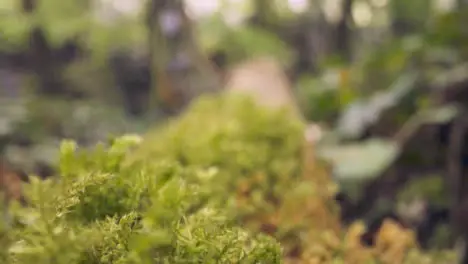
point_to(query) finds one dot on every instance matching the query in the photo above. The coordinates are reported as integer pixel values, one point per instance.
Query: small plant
(252, 160)
(253, 157)
(99, 211)
(213, 186)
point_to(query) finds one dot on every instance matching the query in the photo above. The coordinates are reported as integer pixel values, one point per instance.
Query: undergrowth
(99, 211)
(224, 183)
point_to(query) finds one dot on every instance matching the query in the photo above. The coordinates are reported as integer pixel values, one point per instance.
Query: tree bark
(41, 59)
(344, 33)
(462, 3)
(179, 70)
(458, 182)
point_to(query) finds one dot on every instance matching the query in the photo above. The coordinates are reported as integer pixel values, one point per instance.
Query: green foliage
(431, 188)
(164, 206)
(99, 211)
(44, 121)
(448, 31)
(60, 21)
(411, 16)
(178, 196)
(103, 39)
(360, 160)
(252, 159)
(63, 21)
(14, 28)
(251, 41)
(236, 143)
(244, 42)
(319, 101)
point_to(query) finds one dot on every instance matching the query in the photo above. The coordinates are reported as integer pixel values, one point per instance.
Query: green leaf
(440, 115)
(360, 160)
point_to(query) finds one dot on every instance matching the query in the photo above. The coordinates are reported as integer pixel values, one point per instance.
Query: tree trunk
(343, 32)
(458, 182)
(41, 59)
(179, 70)
(462, 3)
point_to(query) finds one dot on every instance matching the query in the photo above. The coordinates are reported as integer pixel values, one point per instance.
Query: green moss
(101, 212)
(206, 188)
(233, 140)
(431, 188)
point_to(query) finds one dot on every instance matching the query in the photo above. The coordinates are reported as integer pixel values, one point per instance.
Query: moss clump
(254, 156)
(253, 160)
(101, 212)
(209, 187)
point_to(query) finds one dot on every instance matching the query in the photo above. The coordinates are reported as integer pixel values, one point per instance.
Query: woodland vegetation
(123, 138)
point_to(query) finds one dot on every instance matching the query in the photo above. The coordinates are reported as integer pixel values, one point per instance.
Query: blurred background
(386, 79)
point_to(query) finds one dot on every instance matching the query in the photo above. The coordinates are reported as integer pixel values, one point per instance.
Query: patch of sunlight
(233, 17)
(124, 7)
(443, 6)
(128, 6)
(197, 9)
(332, 10)
(379, 3)
(7, 6)
(233, 12)
(235, 1)
(298, 6)
(108, 11)
(362, 14)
